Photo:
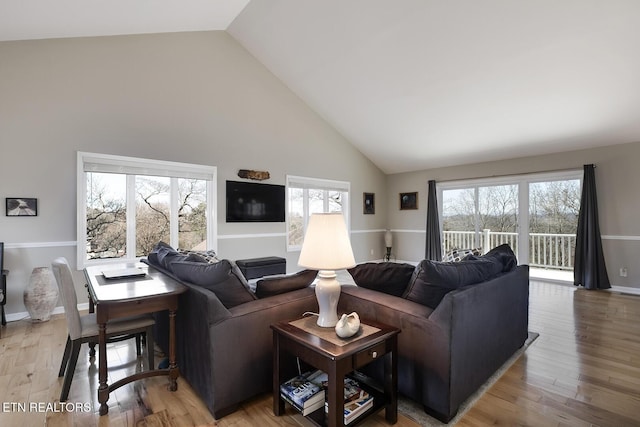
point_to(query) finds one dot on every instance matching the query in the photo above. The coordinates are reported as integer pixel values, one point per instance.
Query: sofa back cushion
(270, 286)
(432, 280)
(219, 278)
(389, 277)
(501, 254)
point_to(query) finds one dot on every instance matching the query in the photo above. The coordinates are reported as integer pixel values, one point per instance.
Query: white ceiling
(414, 84)
(44, 19)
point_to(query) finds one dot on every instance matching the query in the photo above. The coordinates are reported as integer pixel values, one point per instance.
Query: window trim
(307, 183)
(131, 166)
(522, 181)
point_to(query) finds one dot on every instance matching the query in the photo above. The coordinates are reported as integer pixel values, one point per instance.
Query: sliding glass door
(480, 217)
(553, 220)
(535, 214)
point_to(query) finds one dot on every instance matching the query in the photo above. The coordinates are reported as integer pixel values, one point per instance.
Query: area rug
(415, 411)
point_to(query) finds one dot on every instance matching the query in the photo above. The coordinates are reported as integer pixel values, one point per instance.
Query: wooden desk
(319, 348)
(117, 298)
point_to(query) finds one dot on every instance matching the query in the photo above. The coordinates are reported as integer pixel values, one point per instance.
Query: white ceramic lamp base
(328, 294)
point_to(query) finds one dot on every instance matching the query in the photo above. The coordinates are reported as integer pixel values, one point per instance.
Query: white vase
(41, 295)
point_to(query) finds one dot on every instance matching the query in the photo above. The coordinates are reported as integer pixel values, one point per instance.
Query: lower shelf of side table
(379, 402)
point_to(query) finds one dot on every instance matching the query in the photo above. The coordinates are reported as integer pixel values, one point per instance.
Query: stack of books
(356, 400)
(304, 395)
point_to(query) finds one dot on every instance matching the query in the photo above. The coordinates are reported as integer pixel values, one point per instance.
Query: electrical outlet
(623, 272)
(371, 251)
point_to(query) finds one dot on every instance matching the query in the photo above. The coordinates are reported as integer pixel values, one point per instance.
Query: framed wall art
(368, 203)
(21, 206)
(408, 201)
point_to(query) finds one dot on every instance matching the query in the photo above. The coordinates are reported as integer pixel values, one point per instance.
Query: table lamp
(326, 247)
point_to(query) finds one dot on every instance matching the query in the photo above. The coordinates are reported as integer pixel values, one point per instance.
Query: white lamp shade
(326, 243)
(388, 239)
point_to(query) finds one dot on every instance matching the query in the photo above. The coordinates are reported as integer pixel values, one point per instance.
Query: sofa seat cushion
(432, 280)
(219, 278)
(276, 285)
(389, 277)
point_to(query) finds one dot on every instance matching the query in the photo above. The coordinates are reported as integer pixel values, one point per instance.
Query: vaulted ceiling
(413, 84)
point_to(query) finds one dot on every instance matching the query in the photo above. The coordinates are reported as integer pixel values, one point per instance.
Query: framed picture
(21, 206)
(368, 203)
(408, 201)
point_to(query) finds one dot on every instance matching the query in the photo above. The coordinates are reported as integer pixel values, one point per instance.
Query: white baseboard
(14, 317)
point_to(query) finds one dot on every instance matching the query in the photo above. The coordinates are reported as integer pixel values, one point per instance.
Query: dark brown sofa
(445, 352)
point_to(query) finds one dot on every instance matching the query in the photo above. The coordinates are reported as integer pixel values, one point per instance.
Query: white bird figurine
(348, 325)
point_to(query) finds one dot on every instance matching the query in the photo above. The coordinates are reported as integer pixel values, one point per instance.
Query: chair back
(64, 278)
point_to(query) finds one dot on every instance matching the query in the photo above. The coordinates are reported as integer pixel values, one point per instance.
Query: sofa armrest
(487, 323)
(242, 347)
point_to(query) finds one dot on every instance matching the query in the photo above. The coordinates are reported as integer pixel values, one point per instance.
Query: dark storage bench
(258, 267)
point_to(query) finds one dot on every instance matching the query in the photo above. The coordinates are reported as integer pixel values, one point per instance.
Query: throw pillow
(389, 277)
(279, 285)
(153, 255)
(205, 256)
(504, 255)
(460, 254)
(218, 278)
(432, 280)
(166, 256)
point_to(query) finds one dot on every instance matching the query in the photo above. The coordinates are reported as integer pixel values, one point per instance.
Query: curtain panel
(590, 270)
(433, 249)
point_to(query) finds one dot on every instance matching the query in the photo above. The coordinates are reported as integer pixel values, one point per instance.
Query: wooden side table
(324, 350)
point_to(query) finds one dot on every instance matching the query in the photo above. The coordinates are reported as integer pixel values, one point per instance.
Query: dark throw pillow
(432, 280)
(270, 286)
(389, 277)
(219, 278)
(152, 257)
(504, 255)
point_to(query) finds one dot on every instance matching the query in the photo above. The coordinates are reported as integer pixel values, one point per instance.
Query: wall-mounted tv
(253, 202)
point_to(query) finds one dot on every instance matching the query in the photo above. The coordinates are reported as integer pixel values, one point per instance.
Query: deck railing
(546, 250)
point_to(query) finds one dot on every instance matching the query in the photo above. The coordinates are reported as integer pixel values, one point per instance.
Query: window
(536, 214)
(306, 196)
(126, 205)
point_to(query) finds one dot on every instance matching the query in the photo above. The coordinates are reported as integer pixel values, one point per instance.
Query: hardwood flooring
(583, 370)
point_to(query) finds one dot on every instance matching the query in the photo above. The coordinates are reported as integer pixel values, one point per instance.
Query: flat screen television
(253, 202)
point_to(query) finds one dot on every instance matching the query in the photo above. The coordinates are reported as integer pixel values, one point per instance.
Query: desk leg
(103, 389)
(92, 345)
(173, 366)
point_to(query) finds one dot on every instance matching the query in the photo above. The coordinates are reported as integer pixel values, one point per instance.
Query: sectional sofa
(460, 322)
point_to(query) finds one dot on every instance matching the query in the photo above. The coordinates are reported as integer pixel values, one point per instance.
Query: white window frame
(522, 181)
(132, 167)
(326, 185)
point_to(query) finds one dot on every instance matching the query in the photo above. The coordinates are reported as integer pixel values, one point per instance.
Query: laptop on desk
(123, 273)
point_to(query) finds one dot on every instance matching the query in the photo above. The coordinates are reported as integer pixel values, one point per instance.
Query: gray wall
(618, 199)
(188, 97)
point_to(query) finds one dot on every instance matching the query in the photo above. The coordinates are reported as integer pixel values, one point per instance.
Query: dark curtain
(434, 244)
(590, 270)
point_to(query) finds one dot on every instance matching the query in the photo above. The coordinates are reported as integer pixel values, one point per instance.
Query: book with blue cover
(302, 392)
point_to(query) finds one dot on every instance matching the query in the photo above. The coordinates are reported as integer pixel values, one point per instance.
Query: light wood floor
(583, 370)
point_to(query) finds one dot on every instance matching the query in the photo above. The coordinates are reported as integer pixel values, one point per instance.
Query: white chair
(84, 329)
